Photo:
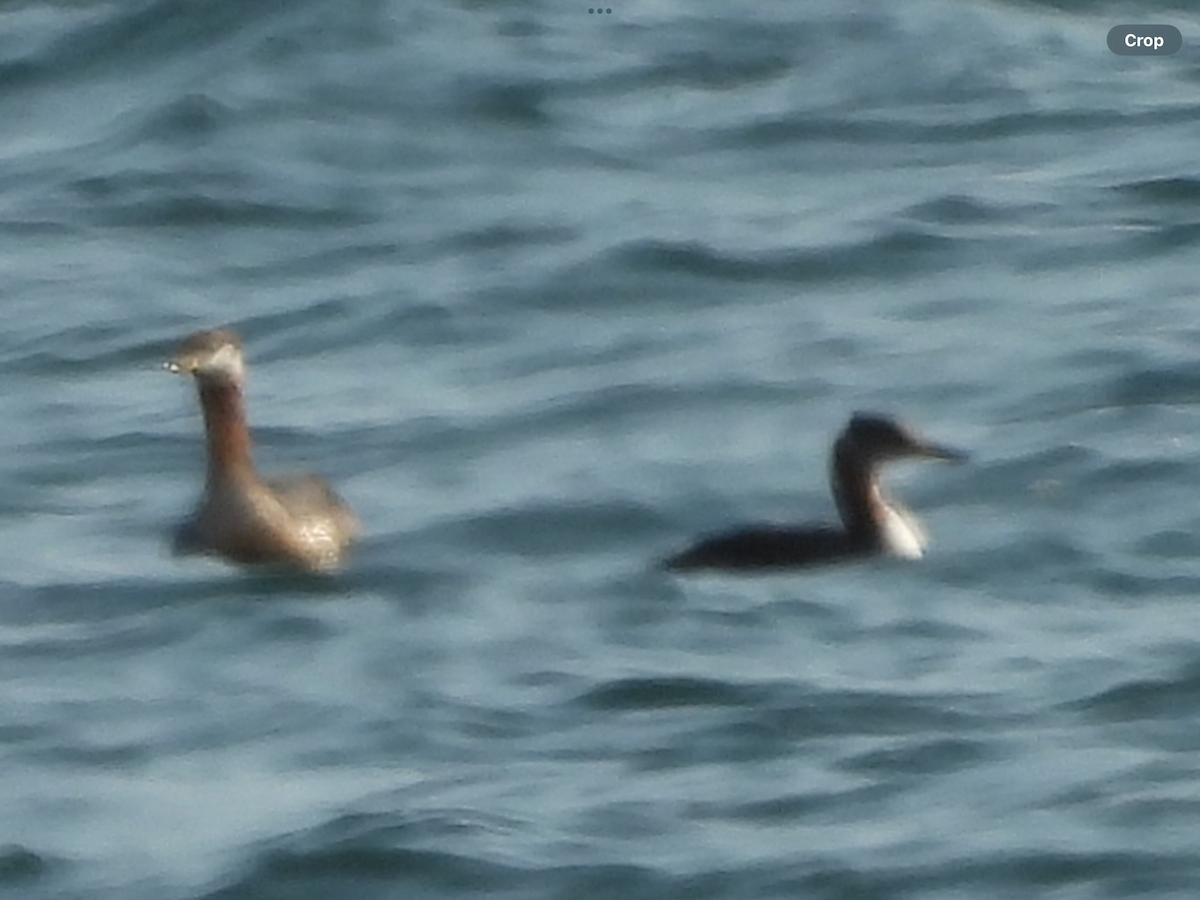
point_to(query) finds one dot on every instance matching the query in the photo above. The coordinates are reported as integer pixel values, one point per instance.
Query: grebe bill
(873, 523)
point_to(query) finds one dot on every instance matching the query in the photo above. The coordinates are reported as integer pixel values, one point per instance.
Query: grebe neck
(857, 493)
(226, 432)
(873, 520)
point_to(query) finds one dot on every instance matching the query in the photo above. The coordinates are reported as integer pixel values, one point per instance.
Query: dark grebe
(296, 520)
(874, 524)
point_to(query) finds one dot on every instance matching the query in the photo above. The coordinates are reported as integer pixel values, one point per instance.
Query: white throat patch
(902, 534)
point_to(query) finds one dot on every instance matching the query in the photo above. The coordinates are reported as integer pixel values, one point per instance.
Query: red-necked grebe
(873, 524)
(295, 520)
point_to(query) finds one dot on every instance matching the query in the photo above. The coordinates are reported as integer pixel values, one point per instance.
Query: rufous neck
(226, 431)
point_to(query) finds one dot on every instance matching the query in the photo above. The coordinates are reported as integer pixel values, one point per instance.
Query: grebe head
(876, 438)
(213, 357)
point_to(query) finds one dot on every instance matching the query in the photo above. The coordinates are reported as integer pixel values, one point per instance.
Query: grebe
(873, 523)
(295, 520)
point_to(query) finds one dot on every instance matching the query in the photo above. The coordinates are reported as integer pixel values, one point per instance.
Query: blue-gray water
(545, 293)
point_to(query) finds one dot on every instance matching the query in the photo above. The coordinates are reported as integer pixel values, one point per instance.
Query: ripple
(1144, 699)
(20, 867)
(1169, 191)
(666, 693)
(894, 252)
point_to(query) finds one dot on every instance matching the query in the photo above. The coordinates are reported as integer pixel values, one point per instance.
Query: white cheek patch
(226, 363)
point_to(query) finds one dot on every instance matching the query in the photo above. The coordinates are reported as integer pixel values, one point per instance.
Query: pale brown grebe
(873, 523)
(296, 520)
